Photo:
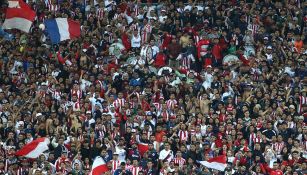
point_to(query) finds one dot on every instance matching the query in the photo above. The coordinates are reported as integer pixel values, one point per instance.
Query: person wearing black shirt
(269, 132)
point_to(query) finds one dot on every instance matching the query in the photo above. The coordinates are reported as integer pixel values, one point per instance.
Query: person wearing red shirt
(202, 46)
(160, 60)
(217, 53)
(275, 170)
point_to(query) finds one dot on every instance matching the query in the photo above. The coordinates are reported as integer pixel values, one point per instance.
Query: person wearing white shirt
(208, 77)
(138, 63)
(166, 154)
(108, 4)
(162, 16)
(120, 150)
(155, 49)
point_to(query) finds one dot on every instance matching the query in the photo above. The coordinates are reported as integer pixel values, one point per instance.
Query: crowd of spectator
(190, 80)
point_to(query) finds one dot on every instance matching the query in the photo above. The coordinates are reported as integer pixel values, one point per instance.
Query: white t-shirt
(121, 154)
(136, 41)
(166, 154)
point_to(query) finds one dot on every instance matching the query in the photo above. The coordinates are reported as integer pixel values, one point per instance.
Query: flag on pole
(34, 148)
(99, 166)
(19, 16)
(218, 163)
(60, 29)
(143, 148)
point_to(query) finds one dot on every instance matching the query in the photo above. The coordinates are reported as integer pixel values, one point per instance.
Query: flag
(19, 16)
(60, 29)
(99, 166)
(143, 147)
(218, 163)
(34, 148)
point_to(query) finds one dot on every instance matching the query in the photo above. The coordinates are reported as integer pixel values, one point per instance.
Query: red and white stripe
(146, 33)
(254, 28)
(252, 137)
(196, 38)
(158, 106)
(52, 7)
(303, 101)
(277, 147)
(179, 161)
(22, 171)
(258, 139)
(77, 93)
(119, 103)
(186, 61)
(76, 106)
(165, 115)
(218, 163)
(34, 148)
(183, 135)
(19, 16)
(99, 166)
(115, 165)
(171, 103)
(100, 13)
(135, 170)
(136, 10)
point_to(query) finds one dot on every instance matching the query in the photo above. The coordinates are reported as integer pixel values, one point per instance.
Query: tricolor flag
(34, 148)
(18, 16)
(218, 163)
(99, 166)
(60, 29)
(143, 148)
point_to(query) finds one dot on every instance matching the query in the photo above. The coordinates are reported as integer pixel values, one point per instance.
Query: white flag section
(218, 163)
(99, 166)
(34, 149)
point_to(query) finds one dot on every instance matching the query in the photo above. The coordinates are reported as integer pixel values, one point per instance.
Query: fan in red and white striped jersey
(183, 134)
(158, 107)
(302, 101)
(258, 138)
(186, 61)
(76, 91)
(23, 170)
(119, 102)
(253, 26)
(135, 169)
(55, 93)
(278, 146)
(136, 9)
(100, 13)
(146, 32)
(52, 5)
(115, 163)
(179, 160)
(171, 103)
(252, 137)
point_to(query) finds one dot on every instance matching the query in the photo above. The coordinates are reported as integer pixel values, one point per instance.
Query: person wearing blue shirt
(122, 170)
(136, 80)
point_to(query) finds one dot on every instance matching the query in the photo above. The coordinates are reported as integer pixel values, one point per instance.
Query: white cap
(88, 112)
(39, 114)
